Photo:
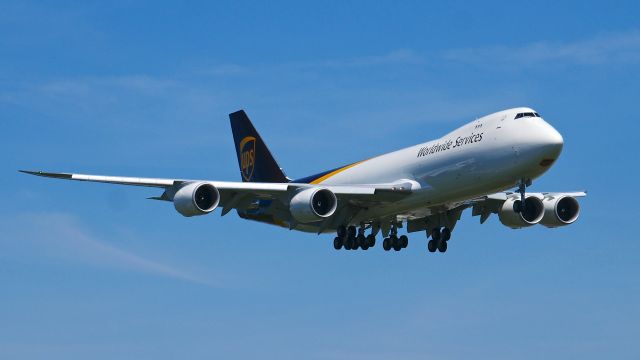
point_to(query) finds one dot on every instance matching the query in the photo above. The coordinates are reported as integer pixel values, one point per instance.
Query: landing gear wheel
(386, 244)
(337, 243)
(351, 231)
(395, 243)
(432, 246)
(350, 243)
(442, 246)
(371, 241)
(354, 243)
(517, 206)
(361, 241)
(404, 241)
(446, 234)
(436, 235)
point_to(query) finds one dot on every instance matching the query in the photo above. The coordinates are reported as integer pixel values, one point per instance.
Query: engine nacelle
(560, 211)
(534, 211)
(196, 199)
(313, 204)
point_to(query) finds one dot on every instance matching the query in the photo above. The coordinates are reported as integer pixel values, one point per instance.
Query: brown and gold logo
(247, 157)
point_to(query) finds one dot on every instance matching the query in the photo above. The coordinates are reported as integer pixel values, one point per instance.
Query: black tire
(365, 247)
(351, 231)
(517, 206)
(386, 244)
(436, 235)
(354, 244)
(395, 243)
(442, 246)
(432, 246)
(342, 231)
(371, 241)
(337, 243)
(446, 234)
(404, 241)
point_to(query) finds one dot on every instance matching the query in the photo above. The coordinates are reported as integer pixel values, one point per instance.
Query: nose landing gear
(519, 207)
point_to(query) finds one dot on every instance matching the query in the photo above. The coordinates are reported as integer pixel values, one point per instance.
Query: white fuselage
(488, 155)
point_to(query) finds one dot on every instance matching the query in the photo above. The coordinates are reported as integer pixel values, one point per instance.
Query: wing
(490, 204)
(447, 215)
(270, 202)
(265, 190)
(245, 195)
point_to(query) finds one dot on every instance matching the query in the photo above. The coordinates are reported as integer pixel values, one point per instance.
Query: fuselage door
(500, 122)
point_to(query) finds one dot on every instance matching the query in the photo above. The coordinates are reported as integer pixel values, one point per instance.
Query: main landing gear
(394, 242)
(352, 238)
(439, 239)
(348, 239)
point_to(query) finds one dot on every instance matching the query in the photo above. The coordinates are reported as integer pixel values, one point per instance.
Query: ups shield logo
(247, 157)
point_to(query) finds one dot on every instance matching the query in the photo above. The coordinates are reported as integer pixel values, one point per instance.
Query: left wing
(106, 179)
(241, 195)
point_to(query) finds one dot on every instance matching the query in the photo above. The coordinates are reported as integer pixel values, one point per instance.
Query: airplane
(425, 187)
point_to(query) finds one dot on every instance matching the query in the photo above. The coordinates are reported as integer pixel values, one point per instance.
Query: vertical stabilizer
(254, 158)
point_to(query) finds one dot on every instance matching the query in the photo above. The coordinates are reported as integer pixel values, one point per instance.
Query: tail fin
(255, 160)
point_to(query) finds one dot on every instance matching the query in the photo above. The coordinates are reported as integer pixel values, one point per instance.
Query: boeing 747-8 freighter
(425, 187)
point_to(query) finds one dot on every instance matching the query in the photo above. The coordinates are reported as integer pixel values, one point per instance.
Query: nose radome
(555, 139)
(552, 141)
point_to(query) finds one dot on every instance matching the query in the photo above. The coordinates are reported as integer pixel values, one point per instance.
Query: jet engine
(313, 204)
(196, 199)
(560, 211)
(532, 214)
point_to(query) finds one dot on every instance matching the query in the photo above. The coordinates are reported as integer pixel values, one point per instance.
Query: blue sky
(144, 89)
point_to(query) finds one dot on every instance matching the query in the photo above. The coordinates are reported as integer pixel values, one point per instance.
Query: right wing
(490, 204)
(447, 215)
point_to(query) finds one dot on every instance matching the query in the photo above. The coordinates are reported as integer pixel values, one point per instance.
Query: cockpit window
(527, 114)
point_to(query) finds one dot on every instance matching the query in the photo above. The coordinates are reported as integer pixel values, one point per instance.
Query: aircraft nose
(550, 144)
(553, 141)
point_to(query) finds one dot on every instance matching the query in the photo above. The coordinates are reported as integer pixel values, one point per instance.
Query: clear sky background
(144, 89)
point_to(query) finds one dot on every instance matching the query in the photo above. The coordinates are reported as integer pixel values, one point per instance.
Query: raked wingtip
(47, 174)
